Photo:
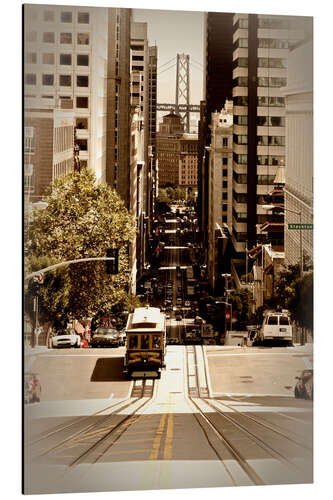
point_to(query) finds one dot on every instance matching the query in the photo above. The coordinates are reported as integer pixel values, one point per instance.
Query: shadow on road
(108, 370)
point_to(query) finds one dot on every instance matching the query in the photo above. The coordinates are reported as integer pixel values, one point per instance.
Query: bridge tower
(183, 88)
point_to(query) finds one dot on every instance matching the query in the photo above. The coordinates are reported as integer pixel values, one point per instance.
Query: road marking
(157, 441)
(169, 437)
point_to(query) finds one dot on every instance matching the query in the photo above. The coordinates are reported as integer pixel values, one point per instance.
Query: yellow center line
(168, 439)
(157, 441)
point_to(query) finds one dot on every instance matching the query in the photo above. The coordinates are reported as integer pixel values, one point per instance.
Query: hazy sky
(175, 32)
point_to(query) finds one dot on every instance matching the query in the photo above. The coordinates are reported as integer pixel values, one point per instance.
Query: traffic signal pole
(61, 264)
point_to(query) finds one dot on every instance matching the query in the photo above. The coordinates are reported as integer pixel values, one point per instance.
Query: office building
(298, 95)
(65, 54)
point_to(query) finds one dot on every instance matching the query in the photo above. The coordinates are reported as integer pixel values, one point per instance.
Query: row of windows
(64, 38)
(264, 22)
(262, 81)
(263, 62)
(49, 16)
(268, 160)
(262, 140)
(261, 101)
(64, 80)
(263, 43)
(270, 140)
(261, 179)
(64, 59)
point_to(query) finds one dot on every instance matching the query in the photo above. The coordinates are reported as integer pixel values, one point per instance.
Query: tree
(83, 219)
(300, 303)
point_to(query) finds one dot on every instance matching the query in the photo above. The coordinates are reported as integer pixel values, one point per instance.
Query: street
(221, 415)
(218, 417)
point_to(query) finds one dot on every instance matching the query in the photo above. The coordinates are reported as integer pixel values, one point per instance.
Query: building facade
(261, 47)
(65, 54)
(118, 102)
(299, 155)
(167, 149)
(219, 188)
(48, 149)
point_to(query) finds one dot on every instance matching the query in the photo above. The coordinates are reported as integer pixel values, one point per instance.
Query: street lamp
(299, 213)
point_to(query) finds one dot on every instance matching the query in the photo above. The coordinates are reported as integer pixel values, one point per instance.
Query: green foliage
(83, 219)
(300, 303)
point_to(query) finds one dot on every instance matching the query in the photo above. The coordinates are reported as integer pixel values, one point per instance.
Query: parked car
(106, 337)
(66, 338)
(32, 388)
(304, 385)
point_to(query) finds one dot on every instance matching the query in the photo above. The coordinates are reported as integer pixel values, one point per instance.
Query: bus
(145, 343)
(276, 326)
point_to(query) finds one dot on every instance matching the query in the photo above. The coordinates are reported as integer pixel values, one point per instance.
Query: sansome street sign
(300, 226)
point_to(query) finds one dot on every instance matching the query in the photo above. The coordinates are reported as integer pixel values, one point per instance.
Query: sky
(175, 32)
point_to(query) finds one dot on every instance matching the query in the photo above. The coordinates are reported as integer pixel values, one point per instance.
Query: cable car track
(104, 426)
(208, 426)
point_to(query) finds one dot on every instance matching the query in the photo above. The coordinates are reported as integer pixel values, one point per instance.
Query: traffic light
(112, 266)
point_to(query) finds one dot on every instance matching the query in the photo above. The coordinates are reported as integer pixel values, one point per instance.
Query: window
(48, 37)
(133, 341)
(224, 196)
(240, 139)
(66, 17)
(48, 58)
(83, 39)
(30, 79)
(65, 80)
(66, 59)
(145, 342)
(48, 79)
(82, 60)
(137, 47)
(240, 120)
(224, 184)
(31, 58)
(272, 320)
(137, 58)
(83, 17)
(225, 207)
(82, 123)
(83, 144)
(138, 68)
(82, 81)
(65, 37)
(284, 320)
(225, 172)
(49, 16)
(82, 102)
(240, 159)
(225, 141)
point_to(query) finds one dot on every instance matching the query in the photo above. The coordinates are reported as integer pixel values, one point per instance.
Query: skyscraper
(65, 53)
(261, 46)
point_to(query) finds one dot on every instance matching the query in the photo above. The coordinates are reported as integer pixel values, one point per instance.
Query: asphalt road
(77, 438)
(219, 416)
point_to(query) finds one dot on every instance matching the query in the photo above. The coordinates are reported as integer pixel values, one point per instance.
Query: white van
(276, 326)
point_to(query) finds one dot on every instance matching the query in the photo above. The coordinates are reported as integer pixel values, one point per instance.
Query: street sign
(300, 226)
